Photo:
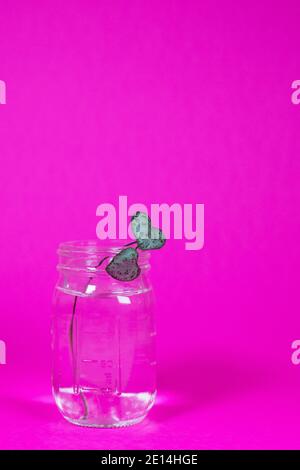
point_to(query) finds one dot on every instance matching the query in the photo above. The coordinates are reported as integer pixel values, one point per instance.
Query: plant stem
(131, 243)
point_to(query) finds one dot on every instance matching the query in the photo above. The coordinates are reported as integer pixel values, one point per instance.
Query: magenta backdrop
(162, 101)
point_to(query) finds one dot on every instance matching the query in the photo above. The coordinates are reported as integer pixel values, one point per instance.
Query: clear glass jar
(103, 339)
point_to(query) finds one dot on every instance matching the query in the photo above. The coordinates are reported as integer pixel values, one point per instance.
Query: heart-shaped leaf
(123, 266)
(147, 236)
(154, 243)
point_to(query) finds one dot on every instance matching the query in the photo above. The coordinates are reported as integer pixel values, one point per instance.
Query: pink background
(163, 101)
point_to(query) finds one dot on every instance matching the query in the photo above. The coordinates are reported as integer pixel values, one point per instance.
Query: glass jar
(103, 338)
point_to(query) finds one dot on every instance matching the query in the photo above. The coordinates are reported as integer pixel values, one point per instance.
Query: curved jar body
(103, 338)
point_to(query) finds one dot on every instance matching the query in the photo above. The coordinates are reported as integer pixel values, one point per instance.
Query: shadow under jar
(103, 338)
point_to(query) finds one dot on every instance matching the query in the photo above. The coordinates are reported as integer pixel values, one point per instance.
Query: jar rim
(93, 246)
(85, 249)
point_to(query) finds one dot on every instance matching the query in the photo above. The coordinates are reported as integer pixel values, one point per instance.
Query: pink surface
(171, 101)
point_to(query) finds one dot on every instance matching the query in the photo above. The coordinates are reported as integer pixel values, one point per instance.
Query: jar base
(120, 424)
